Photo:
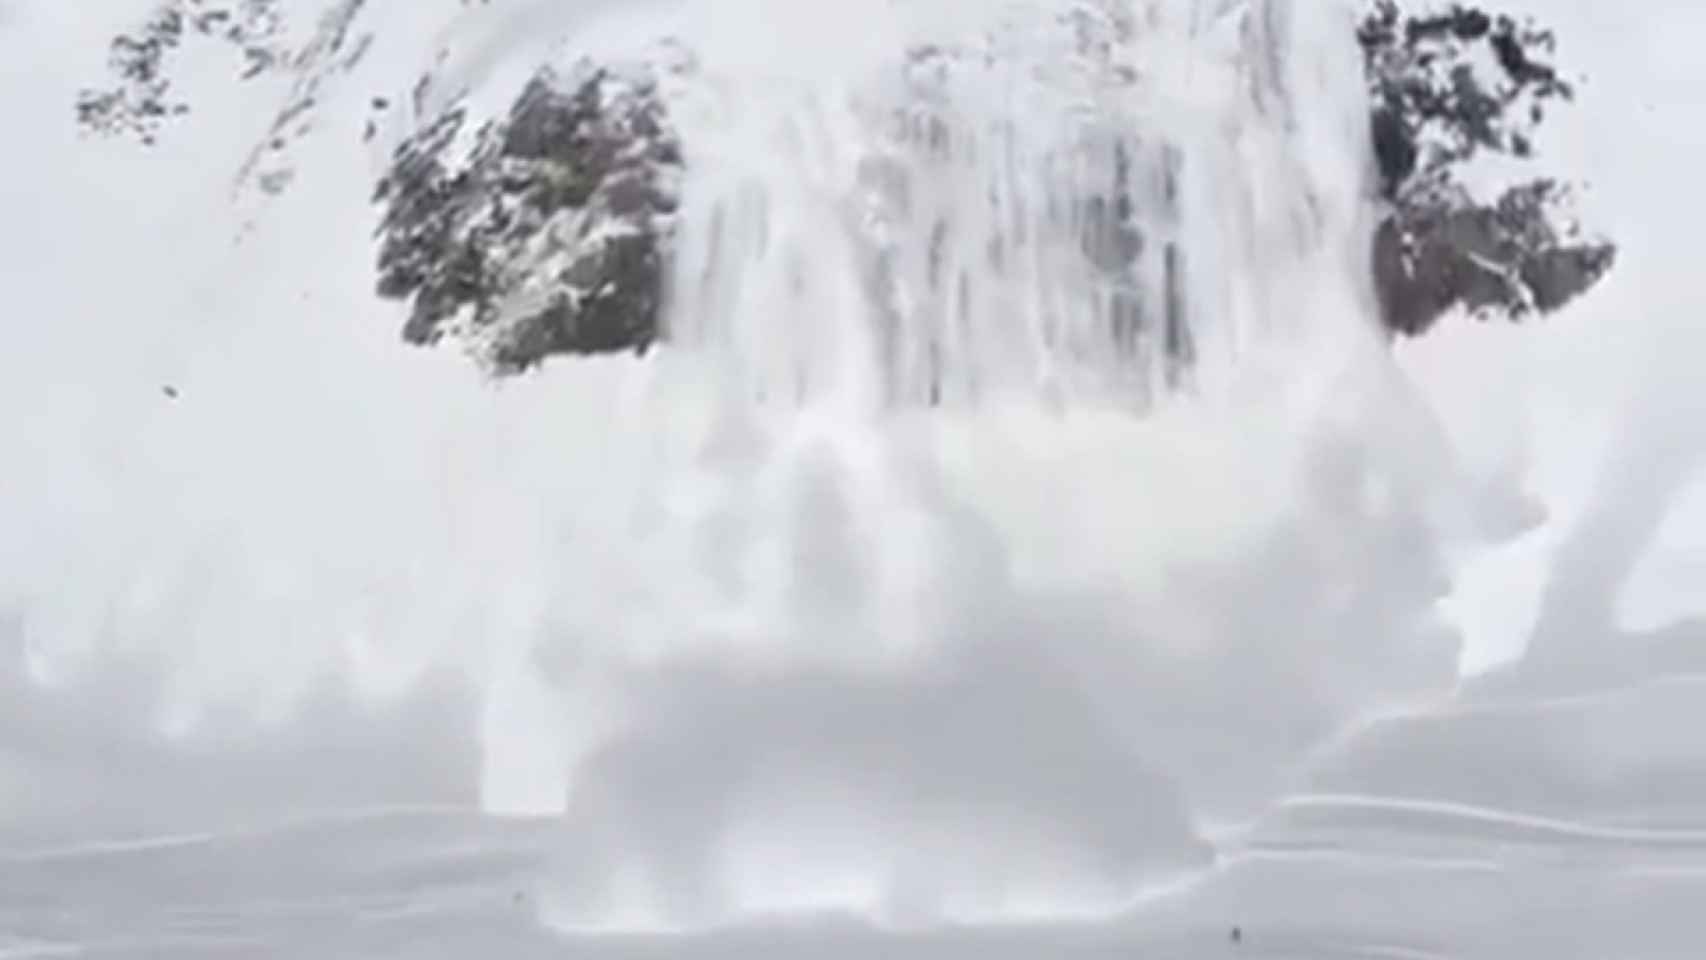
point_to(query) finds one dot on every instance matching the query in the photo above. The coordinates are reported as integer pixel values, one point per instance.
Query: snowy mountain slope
(279, 640)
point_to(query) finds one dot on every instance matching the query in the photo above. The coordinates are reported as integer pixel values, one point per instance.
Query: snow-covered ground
(339, 650)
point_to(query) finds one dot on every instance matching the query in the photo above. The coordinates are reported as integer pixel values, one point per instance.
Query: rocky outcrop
(1448, 88)
(543, 233)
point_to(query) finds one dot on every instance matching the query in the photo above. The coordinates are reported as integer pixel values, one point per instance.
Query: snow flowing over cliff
(910, 578)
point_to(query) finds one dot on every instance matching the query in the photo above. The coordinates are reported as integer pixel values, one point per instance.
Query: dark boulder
(545, 232)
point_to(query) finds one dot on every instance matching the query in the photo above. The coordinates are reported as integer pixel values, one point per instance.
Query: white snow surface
(346, 651)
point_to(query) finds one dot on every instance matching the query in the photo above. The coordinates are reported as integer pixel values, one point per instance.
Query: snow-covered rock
(1450, 88)
(541, 233)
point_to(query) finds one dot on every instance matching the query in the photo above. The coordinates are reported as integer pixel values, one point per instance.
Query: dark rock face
(547, 233)
(1507, 258)
(1435, 109)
